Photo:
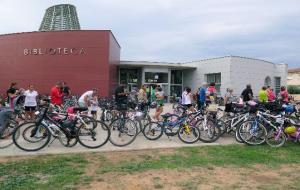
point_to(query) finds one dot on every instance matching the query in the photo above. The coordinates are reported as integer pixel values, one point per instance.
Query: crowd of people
(146, 95)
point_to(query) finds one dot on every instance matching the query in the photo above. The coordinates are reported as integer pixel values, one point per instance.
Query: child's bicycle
(172, 125)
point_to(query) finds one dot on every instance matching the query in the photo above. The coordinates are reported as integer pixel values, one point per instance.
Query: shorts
(93, 112)
(30, 108)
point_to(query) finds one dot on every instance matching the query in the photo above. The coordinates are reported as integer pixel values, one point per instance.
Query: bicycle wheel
(66, 140)
(153, 131)
(92, 136)
(6, 137)
(29, 137)
(252, 132)
(237, 136)
(275, 138)
(123, 132)
(188, 134)
(209, 130)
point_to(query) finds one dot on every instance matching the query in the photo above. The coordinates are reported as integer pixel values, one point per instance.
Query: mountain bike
(67, 128)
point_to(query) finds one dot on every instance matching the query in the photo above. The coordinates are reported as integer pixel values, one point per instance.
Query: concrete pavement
(140, 143)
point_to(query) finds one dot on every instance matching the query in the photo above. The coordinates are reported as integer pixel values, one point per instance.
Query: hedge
(293, 89)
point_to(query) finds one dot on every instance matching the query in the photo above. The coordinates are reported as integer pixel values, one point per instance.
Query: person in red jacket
(56, 94)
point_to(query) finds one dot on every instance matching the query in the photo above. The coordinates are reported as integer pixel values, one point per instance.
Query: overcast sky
(179, 30)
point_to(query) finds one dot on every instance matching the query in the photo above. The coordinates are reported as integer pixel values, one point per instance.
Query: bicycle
(123, 130)
(67, 128)
(170, 126)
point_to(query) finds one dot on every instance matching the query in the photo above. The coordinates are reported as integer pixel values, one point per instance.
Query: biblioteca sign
(54, 51)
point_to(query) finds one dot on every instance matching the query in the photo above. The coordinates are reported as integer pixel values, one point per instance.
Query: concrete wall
(195, 78)
(236, 72)
(55, 61)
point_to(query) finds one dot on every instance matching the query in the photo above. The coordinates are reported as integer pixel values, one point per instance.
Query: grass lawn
(208, 167)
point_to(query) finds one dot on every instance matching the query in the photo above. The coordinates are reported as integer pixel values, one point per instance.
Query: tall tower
(60, 17)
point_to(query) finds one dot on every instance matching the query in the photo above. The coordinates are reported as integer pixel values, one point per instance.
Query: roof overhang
(155, 64)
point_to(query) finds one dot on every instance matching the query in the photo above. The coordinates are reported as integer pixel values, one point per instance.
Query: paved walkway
(139, 144)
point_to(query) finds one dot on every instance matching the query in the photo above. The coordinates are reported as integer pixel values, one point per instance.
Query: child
(94, 106)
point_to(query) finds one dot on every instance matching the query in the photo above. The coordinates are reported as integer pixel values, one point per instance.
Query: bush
(293, 89)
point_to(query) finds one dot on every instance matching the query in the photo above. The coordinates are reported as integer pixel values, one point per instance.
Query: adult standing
(187, 97)
(201, 96)
(121, 97)
(262, 95)
(271, 94)
(12, 93)
(228, 99)
(142, 97)
(30, 102)
(247, 93)
(66, 92)
(211, 93)
(85, 98)
(56, 94)
(284, 95)
(159, 94)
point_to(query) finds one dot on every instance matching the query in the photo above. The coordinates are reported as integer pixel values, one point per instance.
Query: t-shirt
(284, 95)
(186, 98)
(120, 98)
(263, 96)
(30, 98)
(271, 95)
(56, 96)
(94, 105)
(229, 98)
(142, 96)
(202, 94)
(89, 95)
(159, 97)
(246, 94)
(211, 90)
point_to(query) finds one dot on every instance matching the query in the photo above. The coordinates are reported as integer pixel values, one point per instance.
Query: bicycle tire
(276, 142)
(92, 133)
(6, 138)
(194, 130)
(246, 138)
(153, 127)
(123, 131)
(213, 131)
(47, 137)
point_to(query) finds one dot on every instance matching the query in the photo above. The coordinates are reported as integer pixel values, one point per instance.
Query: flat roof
(296, 70)
(156, 64)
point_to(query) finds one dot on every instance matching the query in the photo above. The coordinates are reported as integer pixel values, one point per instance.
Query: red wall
(96, 67)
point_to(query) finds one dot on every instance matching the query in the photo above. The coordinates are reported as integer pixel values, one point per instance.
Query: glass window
(128, 76)
(216, 78)
(176, 90)
(176, 77)
(156, 77)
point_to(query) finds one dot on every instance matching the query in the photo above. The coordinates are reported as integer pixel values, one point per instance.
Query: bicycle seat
(80, 109)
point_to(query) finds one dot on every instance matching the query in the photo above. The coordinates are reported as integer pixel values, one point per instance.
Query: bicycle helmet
(289, 109)
(290, 129)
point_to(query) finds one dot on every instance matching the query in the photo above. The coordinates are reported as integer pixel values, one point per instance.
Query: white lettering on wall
(53, 51)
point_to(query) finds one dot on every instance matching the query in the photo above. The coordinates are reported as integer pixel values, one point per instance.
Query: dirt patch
(201, 178)
(115, 157)
(15, 158)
